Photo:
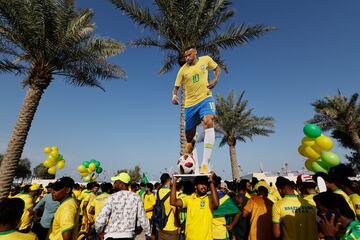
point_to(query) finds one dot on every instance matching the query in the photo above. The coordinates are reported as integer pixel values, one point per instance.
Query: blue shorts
(194, 114)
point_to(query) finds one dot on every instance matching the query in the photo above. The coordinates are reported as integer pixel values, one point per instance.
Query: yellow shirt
(348, 200)
(77, 194)
(149, 201)
(82, 198)
(296, 217)
(219, 223)
(355, 199)
(98, 203)
(199, 217)
(260, 210)
(26, 219)
(65, 219)
(14, 235)
(195, 80)
(310, 199)
(89, 198)
(170, 225)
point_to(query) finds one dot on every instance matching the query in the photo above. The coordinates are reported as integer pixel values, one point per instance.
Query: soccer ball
(186, 164)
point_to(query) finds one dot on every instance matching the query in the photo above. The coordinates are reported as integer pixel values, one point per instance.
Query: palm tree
(44, 38)
(179, 24)
(235, 122)
(342, 116)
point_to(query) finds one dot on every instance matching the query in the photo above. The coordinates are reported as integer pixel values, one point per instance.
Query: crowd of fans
(203, 209)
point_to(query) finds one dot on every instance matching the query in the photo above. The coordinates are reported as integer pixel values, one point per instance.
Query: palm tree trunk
(234, 163)
(18, 138)
(182, 122)
(356, 140)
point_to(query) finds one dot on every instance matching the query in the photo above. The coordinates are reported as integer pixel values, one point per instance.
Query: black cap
(49, 185)
(63, 182)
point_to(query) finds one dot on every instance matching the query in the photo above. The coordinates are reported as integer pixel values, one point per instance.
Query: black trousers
(40, 231)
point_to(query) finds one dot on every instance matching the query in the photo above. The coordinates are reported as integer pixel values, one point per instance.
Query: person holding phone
(337, 218)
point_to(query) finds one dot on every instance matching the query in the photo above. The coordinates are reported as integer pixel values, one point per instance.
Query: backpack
(159, 217)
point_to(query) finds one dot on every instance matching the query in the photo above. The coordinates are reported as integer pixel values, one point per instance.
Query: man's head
(262, 191)
(329, 180)
(11, 210)
(62, 188)
(121, 181)
(149, 187)
(305, 184)
(201, 185)
(106, 187)
(165, 179)
(284, 186)
(190, 55)
(95, 187)
(329, 203)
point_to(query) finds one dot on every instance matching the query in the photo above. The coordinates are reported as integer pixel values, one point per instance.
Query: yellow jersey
(170, 225)
(65, 219)
(297, 218)
(355, 199)
(199, 217)
(98, 202)
(14, 235)
(149, 202)
(195, 80)
(26, 218)
(310, 199)
(260, 210)
(348, 200)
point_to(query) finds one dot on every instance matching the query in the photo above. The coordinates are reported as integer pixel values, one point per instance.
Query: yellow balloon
(47, 150)
(52, 170)
(61, 164)
(301, 150)
(55, 148)
(306, 141)
(317, 149)
(54, 154)
(308, 164)
(92, 166)
(51, 158)
(311, 153)
(52, 163)
(47, 163)
(83, 174)
(93, 178)
(324, 143)
(82, 169)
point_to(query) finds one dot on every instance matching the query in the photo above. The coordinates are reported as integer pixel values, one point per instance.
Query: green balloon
(99, 170)
(86, 179)
(312, 130)
(319, 166)
(60, 157)
(97, 163)
(92, 161)
(332, 159)
(86, 164)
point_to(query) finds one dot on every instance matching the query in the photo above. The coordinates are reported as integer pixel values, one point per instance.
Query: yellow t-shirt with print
(65, 219)
(310, 199)
(149, 202)
(14, 235)
(348, 200)
(98, 202)
(297, 218)
(82, 198)
(355, 199)
(199, 217)
(195, 80)
(89, 198)
(26, 218)
(170, 225)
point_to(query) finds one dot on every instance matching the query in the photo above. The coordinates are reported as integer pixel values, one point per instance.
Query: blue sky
(313, 53)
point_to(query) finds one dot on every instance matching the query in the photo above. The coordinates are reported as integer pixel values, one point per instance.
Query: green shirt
(352, 231)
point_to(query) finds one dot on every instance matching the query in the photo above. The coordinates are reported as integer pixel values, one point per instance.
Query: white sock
(209, 141)
(195, 157)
